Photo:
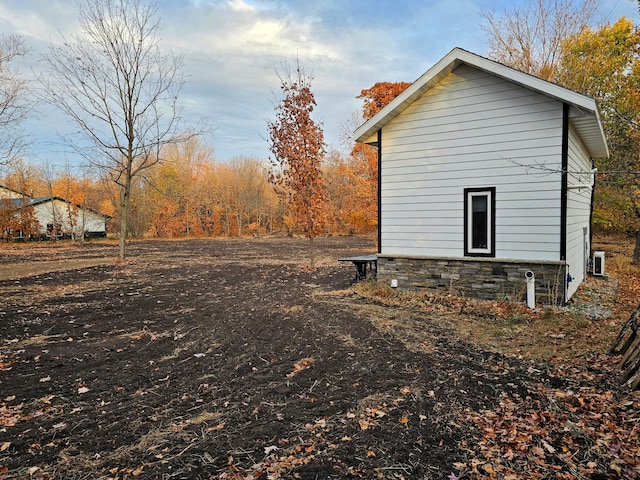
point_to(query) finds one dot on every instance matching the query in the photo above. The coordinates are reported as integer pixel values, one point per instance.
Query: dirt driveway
(203, 359)
(25, 260)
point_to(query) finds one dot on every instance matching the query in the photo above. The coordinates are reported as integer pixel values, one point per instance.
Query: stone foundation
(489, 279)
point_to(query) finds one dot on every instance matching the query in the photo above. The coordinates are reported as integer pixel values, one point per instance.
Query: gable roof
(15, 203)
(584, 114)
(12, 191)
(40, 200)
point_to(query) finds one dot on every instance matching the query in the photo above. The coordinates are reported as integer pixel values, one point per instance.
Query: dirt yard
(229, 359)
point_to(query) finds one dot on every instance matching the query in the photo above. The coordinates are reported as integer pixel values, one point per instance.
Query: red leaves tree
(297, 144)
(364, 158)
(378, 96)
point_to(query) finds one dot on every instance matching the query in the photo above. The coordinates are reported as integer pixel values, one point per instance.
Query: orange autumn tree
(178, 190)
(363, 176)
(17, 217)
(378, 96)
(297, 144)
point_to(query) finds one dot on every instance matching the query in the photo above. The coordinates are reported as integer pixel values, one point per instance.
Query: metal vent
(598, 263)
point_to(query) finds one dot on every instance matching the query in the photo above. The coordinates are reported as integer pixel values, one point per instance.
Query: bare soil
(206, 359)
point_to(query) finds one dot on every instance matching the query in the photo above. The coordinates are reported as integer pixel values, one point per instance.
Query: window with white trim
(479, 222)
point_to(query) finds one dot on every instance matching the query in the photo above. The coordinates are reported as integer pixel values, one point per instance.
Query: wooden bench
(366, 266)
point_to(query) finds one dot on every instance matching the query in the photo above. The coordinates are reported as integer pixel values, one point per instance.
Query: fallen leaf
(32, 470)
(404, 420)
(405, 390)
(138, 471)
(615, 467)
(549, 448)
(269, 449)
(83, 390)
(537, 451)
(45, 379)
(371, 453)
(303, 364)
(4, 446)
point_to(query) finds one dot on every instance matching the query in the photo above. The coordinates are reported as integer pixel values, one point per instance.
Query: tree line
(191, 194)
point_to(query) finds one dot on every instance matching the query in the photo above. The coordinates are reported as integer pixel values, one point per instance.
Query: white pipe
(531, 289)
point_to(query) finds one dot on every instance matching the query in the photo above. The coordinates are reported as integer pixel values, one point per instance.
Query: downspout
(564, 196)
(594, 172)
(380, 191)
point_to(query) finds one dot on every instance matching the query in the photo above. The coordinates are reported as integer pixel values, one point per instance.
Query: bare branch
(119, 89)
(13, 100)
(530, 37)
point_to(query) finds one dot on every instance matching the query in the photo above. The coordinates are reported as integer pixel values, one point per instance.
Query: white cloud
(38, 20)
(241, 6)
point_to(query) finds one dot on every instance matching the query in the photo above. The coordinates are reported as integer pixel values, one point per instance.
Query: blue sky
(231, 49)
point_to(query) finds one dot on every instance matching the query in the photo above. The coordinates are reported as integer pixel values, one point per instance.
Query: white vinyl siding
(8, 193)
(578, 210)
(473, 130)
(69, 219)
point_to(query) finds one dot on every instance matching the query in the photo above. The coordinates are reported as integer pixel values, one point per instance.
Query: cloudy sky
(231, 49)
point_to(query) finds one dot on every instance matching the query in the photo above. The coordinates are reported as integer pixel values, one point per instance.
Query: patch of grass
(586, 327)
(373, 289)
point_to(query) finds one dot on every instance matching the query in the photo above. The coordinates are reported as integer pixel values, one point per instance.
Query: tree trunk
(636, 250)
(125, 203)
(312, 251)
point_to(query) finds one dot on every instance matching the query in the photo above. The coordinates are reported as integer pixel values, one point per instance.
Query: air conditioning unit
(598, 263)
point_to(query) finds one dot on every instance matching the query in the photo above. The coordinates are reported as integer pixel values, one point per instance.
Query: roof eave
(412, 93)
(459, 56)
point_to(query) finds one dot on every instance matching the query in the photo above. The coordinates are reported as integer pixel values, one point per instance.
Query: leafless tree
(119, 89)
(13, 100)
(529, 37)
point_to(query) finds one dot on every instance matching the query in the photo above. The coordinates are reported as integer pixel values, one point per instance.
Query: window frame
(490, 194)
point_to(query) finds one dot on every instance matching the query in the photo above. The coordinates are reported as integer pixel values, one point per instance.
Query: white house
(57, 216)
(485, 173)
(61, 217)
(8, 193)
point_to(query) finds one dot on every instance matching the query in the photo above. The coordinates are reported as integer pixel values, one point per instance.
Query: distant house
(485, 174)
(61, 217)
(8, 193)
(56, 217)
